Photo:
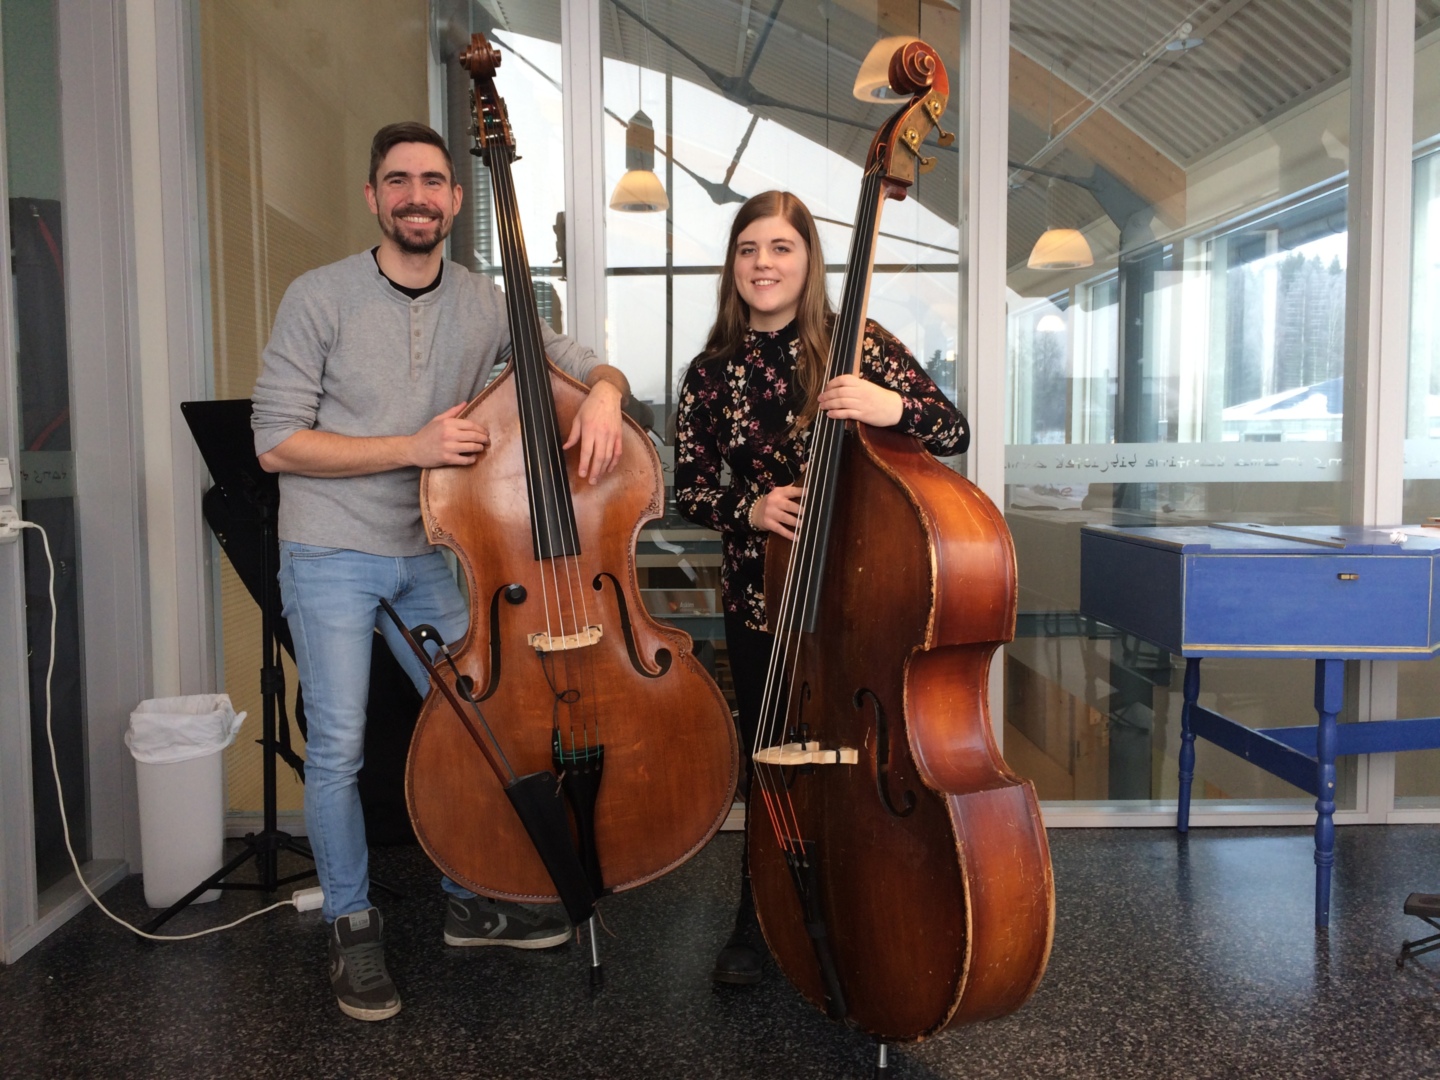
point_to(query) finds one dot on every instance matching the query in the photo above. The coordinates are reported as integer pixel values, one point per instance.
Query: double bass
(900, 869)
(563, 684)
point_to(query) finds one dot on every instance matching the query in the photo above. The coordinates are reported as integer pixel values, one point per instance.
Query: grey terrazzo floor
(1173, 958)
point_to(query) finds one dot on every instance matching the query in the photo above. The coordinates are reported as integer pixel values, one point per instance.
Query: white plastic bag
(164, 730)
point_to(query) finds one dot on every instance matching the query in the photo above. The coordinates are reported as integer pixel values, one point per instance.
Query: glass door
(38, 418)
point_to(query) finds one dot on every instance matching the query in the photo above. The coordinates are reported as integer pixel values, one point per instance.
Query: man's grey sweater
(351, 354)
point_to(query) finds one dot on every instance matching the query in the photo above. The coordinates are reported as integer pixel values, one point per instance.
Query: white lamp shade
(639, 191)
(1060, 249)
(873, 82)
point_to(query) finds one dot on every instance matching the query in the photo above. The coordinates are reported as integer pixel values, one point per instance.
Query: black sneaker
(483, 921)
(357, 967)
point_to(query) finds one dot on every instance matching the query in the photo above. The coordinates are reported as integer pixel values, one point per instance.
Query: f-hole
(662, 656)
(882, 756)
(505, 592)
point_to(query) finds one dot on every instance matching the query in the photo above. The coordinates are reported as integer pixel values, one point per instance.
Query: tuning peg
(911, 138)
(936, 108)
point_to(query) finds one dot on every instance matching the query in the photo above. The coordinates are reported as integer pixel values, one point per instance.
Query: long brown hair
(813, 316)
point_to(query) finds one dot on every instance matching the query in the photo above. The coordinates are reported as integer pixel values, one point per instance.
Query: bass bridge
(805, 753)
(545, 642)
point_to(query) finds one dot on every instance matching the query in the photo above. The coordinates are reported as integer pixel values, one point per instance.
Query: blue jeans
(332, 602)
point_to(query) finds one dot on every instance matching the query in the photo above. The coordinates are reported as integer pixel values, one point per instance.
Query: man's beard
(394, 230)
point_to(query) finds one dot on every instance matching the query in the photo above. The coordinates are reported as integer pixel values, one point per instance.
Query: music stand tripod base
(262, 846)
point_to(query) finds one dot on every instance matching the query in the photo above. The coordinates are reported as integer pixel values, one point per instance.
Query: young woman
(748, 402)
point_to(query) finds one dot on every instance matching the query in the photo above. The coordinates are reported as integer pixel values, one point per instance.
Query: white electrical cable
(60, 793)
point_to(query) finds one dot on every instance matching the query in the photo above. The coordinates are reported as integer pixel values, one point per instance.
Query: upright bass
(563, 683)
(900, 870)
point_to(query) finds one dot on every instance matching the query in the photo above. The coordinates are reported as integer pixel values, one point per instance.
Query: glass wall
(1176, 357)
(1187, 368)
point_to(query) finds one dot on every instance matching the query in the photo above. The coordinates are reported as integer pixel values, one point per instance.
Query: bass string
(569, 664)
(807, 555)
(804, 563)
(559, 572)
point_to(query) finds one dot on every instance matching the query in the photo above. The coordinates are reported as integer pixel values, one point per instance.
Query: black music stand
(245, 495)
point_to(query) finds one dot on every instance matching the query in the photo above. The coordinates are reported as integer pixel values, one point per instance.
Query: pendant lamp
(639, 190)
(1059, 248)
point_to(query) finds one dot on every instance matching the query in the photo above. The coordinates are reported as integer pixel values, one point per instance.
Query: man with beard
(370, 362)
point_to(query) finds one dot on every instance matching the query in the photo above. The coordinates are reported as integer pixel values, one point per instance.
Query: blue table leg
(1187, 743)
(1329, 694)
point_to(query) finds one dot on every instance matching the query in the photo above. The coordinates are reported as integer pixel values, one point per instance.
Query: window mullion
(1382, 101)
(583, 117)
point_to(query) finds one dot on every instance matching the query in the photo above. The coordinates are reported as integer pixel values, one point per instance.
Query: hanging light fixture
(1059, 248)
(1183, 41)
(639, 190)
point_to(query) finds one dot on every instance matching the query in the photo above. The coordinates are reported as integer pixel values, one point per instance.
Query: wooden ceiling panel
(1103, 138)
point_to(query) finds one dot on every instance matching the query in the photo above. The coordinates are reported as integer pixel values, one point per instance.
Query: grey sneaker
(483, 921)
(357, 967)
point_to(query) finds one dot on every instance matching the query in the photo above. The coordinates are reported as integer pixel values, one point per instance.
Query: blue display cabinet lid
(1250, 539)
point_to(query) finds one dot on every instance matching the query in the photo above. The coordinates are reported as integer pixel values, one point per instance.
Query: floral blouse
(739, 413)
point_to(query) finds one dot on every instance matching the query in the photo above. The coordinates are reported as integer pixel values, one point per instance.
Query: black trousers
(749, 652)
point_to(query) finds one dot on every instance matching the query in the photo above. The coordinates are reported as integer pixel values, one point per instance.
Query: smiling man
(369, 365)
(415, 201)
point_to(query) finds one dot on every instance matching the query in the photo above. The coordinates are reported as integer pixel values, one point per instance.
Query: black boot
(738, 963)
(741, 961)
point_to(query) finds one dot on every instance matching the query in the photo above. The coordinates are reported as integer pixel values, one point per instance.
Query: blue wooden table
(1327, 593)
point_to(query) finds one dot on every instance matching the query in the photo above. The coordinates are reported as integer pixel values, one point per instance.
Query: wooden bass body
(930, 858)
(636, 689)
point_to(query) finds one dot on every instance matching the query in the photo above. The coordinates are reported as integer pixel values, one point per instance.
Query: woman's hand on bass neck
(849, 397)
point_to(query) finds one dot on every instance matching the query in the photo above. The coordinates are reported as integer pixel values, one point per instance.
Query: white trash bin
(180, 778)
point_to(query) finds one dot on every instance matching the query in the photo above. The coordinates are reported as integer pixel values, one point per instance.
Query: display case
(679, 569)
